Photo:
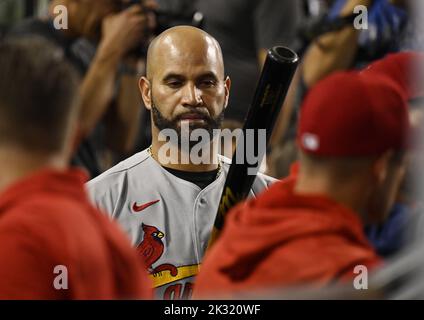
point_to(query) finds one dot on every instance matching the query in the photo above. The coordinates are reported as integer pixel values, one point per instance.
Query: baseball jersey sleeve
(104, 193)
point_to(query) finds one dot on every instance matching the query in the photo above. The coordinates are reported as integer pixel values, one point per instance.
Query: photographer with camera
(118, 27)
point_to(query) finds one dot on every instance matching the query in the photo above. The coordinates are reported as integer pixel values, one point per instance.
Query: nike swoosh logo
(138, 208)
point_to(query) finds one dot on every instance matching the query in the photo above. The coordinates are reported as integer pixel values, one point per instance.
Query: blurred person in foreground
(403, 275)
(109, 114)
(389, 238)
(308, 228)
(394, 234)
(54, 244)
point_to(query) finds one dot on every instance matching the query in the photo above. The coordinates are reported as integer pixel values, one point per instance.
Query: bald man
(166, 205)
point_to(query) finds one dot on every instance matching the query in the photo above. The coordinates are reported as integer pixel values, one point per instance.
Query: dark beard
(161, 122)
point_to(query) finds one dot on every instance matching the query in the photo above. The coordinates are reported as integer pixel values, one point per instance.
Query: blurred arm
(120, 34)
(123, 119)
(333, 51)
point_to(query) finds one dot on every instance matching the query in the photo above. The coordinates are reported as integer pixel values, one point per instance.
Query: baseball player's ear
(381, 166)
(227, 85)
(145, 90)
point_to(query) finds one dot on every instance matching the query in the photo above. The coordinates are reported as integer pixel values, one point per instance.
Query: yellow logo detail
(164, 277)
(227, 201)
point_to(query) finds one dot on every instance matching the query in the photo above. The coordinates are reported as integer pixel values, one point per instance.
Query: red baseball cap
(350, 114)
(404, 68)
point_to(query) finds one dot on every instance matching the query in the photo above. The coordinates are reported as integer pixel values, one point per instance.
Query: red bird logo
(151, 249)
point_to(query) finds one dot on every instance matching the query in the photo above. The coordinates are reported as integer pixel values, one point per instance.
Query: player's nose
(192, 96)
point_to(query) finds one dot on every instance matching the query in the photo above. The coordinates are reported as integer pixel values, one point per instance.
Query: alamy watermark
(60, 21)
(199, 146)
(361, 20)
(360, 282)
(60, 282)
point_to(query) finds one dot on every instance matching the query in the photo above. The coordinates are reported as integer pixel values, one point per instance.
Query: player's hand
(125, 30)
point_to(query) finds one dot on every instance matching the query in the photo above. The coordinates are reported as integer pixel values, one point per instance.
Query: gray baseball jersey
(168, 219)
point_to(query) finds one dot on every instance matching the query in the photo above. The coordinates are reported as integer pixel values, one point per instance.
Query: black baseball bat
(277, 74)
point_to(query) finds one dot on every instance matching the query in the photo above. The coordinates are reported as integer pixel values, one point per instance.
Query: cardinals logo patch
(151, 249)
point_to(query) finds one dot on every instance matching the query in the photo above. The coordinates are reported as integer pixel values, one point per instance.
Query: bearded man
(165, 204)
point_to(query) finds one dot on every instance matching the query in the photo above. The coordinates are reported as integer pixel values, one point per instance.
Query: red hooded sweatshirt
(284, 239)
(55, 245)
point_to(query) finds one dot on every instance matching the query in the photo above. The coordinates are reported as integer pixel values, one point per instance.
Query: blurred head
(406, 70)
(390, 171)
(356, 136)
(38, 89)
(85, 16)
(374, 180)
(410, 190)
(185, 80)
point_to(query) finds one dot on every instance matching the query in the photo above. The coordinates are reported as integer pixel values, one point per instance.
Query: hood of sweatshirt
(280, 219)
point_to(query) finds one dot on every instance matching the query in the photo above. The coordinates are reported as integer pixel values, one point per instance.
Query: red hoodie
(46, 222)
(284, 239)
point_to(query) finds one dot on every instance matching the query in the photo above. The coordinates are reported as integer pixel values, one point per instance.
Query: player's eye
(174, 83)
(207, 83)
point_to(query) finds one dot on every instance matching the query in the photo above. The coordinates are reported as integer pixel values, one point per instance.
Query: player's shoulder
(266, 179)
(262, 180)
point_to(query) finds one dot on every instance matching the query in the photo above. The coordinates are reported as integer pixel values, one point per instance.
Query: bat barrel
(283, 55)
(277, 74)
